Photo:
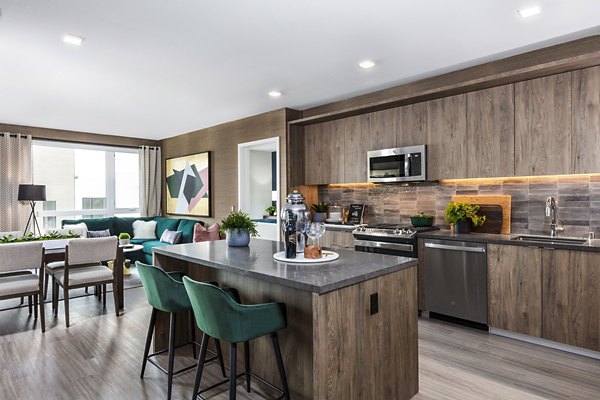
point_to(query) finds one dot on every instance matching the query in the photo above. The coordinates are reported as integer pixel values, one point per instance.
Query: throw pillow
(144, 229)
(98, 234)
(202, 234)
(80, 228)
(171, 237)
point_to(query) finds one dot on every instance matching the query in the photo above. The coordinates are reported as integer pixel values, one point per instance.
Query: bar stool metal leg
(148, 340)
(232, 371)
(193, 333)
(247, 364)
(173, 320)
(220, 356)
(200, 367)
(275, 340)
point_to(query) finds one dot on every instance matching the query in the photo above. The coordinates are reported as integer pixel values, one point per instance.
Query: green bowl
(421, 220)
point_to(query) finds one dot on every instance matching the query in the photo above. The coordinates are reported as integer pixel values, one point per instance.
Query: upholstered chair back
(91, 250)
(18, 256)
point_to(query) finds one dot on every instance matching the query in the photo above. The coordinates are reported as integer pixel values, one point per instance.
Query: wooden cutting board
(493, 219)
(502, 200)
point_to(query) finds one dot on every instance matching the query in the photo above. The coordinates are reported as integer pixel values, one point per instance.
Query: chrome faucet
(551, 207)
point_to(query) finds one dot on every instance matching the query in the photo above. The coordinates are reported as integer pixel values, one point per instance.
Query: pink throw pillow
(202, 234)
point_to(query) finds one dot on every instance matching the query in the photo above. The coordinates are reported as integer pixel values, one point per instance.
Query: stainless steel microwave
(404, 164)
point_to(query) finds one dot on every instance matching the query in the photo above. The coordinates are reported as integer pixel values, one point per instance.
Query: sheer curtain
(15, 168)
(150, 181)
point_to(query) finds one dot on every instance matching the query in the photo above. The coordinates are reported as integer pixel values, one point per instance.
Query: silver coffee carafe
(295, 211)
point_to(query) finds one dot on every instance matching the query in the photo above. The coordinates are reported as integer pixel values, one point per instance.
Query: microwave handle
(407, 165)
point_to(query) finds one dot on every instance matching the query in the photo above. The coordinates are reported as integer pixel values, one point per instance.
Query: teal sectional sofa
(117, 225)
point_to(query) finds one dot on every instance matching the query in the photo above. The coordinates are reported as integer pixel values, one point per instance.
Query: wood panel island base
(352, 323)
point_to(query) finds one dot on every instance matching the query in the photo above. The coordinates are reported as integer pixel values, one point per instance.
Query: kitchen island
(352, 323)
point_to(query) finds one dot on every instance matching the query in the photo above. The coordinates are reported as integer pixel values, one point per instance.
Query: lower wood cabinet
(571, 297)
(546, 293)
(515, 289)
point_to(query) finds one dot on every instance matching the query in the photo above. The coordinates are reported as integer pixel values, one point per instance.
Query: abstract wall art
(188, 185)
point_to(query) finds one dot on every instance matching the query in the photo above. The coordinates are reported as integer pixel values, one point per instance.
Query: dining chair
(83, 267)
(14, 282)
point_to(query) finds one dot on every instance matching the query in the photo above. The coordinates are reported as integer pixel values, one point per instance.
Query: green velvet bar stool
(221, 317)
(165, 292)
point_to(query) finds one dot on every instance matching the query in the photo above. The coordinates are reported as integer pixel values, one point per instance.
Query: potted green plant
(124, 238)
(463, 215)
(239, 227)
(320, 210)
(271, 210)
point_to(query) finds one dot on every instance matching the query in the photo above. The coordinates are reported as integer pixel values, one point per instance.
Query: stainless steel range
(391, 239)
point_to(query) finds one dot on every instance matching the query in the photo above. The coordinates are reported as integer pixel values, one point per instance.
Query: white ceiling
(156, 68)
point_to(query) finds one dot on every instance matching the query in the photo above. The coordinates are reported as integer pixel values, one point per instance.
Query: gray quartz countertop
(257, 261)
(508, 240)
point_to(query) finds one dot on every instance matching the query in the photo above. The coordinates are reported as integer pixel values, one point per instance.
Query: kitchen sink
(550, 240)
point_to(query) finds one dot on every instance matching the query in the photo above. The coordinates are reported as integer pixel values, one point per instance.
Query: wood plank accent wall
(77, 137)
(555, 59)
(222, 141)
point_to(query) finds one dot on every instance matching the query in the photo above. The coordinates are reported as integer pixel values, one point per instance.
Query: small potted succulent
(239, 227)
(124, 238)
(463, 215)
(320, 210)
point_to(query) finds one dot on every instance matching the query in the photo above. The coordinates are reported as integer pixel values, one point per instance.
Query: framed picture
(188, 185)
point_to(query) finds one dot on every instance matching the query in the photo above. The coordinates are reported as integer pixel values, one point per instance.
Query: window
(49, 222)
(85, 181)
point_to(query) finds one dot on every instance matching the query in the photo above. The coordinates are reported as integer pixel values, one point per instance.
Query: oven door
(394, 249)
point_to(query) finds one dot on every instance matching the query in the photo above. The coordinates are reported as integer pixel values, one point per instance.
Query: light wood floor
(98, 357)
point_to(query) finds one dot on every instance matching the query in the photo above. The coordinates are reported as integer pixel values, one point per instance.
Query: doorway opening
(258, 184)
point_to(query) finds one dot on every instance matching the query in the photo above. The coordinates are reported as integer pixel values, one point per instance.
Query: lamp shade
(32, 193)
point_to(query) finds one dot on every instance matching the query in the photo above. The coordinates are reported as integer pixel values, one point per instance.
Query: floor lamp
(32, 193)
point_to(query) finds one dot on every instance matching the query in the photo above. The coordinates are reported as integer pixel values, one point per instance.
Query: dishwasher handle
(455, 248)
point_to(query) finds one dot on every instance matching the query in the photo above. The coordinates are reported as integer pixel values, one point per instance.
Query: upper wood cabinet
(411, 125)
(515, 289)
(543, 126)
(491, 132)
(324, 154)
(382, 129)
(446, 137)
(571, 297)
(355, 152)
(585, 139)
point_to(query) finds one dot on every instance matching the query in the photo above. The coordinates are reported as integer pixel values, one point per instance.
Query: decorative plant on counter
(320, 210)
(462, 215)
(271, 210)
(239, 227)
(30, 237)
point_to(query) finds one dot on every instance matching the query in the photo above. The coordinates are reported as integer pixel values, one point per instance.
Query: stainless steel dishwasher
(456, 279)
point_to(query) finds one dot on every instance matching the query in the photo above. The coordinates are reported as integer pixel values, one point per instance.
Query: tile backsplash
(578, 198)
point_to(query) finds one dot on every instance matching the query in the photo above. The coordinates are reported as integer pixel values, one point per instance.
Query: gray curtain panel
(150, 181)
(15, 168)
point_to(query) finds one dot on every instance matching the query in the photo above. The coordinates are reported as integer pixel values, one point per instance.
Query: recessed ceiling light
(274, 93)
(529, 12)
(72, 39)
(367, 64)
